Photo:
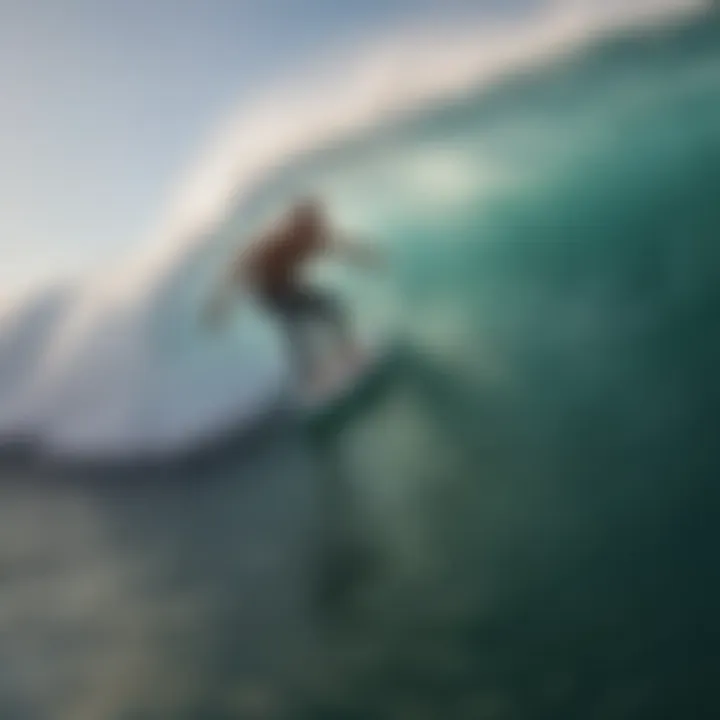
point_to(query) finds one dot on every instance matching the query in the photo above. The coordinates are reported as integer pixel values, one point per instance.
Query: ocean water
(520, 524)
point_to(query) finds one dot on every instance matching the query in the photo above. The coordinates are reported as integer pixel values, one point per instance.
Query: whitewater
(119, 366)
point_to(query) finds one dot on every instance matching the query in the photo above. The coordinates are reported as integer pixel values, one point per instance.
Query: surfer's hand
(361, 254)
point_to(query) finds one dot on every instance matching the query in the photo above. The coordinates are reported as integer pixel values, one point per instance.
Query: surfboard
(345, 389)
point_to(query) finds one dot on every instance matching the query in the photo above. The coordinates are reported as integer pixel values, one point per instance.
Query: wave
(118, 366)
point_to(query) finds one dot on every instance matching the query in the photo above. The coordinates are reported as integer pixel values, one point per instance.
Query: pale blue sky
(104, 102)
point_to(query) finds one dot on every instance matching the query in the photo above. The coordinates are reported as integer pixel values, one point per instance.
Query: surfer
(270, 268)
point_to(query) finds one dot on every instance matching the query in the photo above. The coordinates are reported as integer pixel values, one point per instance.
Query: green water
(521, 525)
(551, 468)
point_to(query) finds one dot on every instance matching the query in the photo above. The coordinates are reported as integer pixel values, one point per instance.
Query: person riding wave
(271, 267)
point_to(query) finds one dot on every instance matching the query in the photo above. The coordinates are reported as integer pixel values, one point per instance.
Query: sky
(105, 102)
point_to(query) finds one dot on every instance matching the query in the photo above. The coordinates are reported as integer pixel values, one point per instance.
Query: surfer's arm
(353, 250)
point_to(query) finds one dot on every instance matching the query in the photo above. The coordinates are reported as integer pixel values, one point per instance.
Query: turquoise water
(522, 526)
(560, 530)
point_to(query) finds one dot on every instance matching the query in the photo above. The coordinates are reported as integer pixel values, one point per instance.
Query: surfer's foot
(332, 370)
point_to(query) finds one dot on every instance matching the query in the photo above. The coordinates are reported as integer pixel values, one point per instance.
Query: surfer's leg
(298, 308)
(328, 310)
(284, 305)
(322, 306)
